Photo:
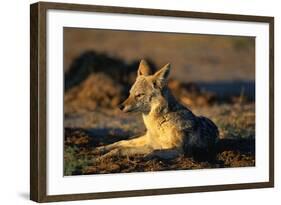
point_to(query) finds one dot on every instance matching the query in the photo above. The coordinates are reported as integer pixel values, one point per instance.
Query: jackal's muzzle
(128, 105)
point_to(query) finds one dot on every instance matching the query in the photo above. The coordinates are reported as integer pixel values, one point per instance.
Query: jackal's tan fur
(172, 129)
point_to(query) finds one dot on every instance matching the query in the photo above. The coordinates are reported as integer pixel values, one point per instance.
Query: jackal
(172, 129)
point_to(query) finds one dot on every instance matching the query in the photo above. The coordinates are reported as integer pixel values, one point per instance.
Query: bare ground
(87, 129)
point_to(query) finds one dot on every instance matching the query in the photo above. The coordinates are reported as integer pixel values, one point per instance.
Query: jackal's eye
(139, 95)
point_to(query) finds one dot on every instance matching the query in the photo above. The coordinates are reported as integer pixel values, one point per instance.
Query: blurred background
(200, 58)
(211, 74)
(223, 66)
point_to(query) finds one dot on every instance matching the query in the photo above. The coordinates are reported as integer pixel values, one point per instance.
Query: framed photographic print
(134, 102)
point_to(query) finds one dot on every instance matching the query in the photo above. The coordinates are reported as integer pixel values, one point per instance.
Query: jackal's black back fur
(201, 144)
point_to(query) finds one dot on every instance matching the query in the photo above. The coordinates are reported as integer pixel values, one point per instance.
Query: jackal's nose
(121, 106)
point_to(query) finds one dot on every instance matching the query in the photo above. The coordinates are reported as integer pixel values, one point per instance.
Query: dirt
(236, 147)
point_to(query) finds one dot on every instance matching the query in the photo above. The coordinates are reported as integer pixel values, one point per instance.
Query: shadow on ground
(80, 144)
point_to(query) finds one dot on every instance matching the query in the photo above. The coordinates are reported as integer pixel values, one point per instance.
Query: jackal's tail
(205, 146)
(208, 130)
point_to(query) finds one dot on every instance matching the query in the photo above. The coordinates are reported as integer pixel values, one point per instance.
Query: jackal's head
(147, 89)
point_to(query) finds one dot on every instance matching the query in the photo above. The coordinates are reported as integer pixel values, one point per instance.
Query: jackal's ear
(161, 76)
(144, 68)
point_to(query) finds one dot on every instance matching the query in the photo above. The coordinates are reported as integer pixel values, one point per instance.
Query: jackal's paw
(109, 155)
(100, 150)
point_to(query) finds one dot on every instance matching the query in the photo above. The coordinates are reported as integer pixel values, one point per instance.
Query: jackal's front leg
(133, 146)
(126, 151)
